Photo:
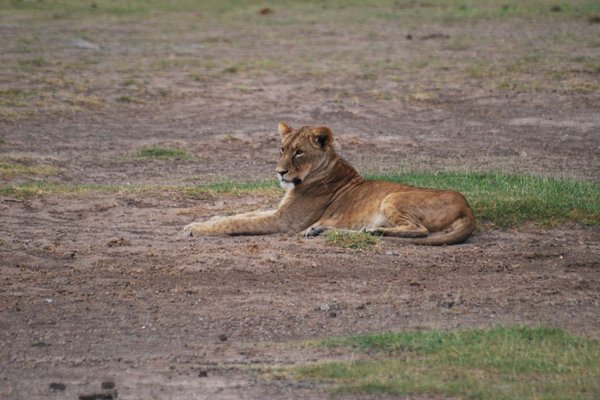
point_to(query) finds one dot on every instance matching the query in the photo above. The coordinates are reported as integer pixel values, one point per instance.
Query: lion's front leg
(254, 223)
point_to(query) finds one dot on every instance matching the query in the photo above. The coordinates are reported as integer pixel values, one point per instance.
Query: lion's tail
(456, 233)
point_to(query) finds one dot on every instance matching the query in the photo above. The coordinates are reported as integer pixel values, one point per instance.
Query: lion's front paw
(372, 231)
(314, 231)
(187, 231)
(192, 229)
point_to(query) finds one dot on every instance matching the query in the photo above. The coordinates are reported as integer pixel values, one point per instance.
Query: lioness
(325, 192)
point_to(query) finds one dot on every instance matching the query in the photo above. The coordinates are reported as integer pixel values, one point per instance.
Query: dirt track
(101, 287)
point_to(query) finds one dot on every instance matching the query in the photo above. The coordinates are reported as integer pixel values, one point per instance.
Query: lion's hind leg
(408, 230)
(395, 222)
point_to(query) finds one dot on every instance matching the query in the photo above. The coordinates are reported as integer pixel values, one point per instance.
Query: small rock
(325, 307)
(555, 9)
(266, 11)
(408, 36)
(222, 337)
(108, 385)
(203, 374)
(333, 314)
(57, 386)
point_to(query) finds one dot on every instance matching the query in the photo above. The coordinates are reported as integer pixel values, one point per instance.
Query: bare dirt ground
(100, 288)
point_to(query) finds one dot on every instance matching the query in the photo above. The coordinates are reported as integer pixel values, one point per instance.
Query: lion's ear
(321, 136)
(284, 129)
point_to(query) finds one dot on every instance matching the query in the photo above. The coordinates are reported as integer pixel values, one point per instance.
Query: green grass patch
(352, 240)
(501, 363)
(509, 200)
(504, 200)
(164, 153)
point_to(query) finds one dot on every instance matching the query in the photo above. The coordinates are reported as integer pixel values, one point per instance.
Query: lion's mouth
(286, 182)
(295, 181)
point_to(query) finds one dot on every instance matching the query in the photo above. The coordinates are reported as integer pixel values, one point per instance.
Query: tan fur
(325, 192)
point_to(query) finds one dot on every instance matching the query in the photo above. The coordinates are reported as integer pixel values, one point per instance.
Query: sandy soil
(102, 298)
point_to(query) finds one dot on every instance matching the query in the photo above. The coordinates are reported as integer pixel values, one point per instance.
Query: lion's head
(303, 151)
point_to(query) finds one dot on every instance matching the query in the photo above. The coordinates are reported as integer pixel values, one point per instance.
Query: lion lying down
(325, 192)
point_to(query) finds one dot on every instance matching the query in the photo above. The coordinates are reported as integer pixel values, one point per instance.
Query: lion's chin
(289, 184)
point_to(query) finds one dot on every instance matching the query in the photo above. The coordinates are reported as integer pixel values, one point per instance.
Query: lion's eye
(281, 150)
(298, 153)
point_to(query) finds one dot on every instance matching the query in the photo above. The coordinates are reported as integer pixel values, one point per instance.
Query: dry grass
(65, 56)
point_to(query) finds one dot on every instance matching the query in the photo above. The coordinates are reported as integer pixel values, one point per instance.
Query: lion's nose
(282, 172)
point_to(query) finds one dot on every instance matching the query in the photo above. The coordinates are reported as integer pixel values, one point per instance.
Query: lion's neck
(333, 177)
(342, 168)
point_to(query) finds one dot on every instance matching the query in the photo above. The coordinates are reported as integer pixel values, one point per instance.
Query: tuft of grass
(12, 167)
(352, 240)
(164, 153)
(130, 100)
(501, 363)
(235, 188)
(15, 97)
(43, 188)
(508, 200)
(422, 96)
(34, 62)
